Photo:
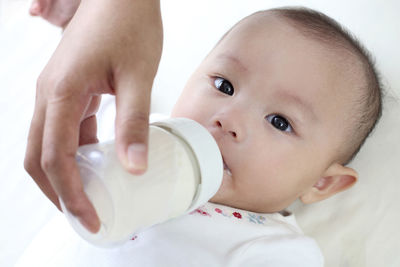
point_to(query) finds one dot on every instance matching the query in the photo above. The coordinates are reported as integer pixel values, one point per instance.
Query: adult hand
(109, 47)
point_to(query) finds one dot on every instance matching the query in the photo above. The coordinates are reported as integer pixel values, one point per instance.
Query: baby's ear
(336, 178)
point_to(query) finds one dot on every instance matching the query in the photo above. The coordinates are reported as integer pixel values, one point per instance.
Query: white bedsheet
(356, 228)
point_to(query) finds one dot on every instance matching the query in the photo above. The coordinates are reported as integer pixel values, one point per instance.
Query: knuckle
(45, 80)
(134, 125)
(140, 117)
(55, 86)
(61, 89)
(41, 80)
(49, 161)
(31, 165)
(40, 85)
(131, 121)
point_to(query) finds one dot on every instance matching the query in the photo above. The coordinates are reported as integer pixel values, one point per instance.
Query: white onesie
(213, 235)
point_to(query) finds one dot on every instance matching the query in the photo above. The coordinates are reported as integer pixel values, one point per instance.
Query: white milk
(184, 171)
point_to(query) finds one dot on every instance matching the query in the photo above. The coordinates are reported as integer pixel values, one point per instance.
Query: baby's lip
(226, 168)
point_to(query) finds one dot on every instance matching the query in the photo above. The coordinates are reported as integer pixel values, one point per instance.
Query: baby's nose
(224, 127)
(230, 122)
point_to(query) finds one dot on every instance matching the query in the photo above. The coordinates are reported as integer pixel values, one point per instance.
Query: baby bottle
(184, 171)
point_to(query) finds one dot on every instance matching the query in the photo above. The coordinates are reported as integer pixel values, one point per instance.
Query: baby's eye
(279, 123)
(224, 86)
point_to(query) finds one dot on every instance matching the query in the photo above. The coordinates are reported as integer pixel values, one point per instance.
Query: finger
(36, 8)
(60, 142)
(34, 151)
(88, 127)
(88, 131)
(93, 106)
(133, 104)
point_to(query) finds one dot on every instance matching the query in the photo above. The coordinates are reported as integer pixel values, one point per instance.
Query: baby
(290, 98)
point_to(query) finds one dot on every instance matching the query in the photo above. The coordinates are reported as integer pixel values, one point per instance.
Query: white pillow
(360, 227)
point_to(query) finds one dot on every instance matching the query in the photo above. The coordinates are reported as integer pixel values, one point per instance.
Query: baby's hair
(322, 28)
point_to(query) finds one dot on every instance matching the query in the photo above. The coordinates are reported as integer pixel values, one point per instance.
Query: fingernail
(137, 158)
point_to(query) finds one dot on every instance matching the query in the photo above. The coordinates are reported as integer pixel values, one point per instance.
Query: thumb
(132, 121)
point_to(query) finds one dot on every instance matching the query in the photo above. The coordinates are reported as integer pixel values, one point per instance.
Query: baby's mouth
(226, 168)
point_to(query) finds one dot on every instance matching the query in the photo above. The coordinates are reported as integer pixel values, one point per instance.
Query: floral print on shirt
(239, 215)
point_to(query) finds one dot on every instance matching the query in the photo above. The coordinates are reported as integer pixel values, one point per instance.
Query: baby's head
(289, 97)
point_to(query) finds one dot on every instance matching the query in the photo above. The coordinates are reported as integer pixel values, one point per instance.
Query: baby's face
(277, 105)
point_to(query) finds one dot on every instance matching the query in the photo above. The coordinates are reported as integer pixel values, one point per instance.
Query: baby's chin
(227, 195)
(225, 191)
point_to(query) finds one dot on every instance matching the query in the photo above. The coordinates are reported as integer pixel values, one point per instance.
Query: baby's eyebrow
(301, 103)
(234, 60)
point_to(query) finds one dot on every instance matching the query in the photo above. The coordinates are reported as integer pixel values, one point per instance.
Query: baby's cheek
(184, 109)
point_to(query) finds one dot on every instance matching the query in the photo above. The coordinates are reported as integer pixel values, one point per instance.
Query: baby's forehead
(275, 26)
(266, 35)
(265, 23)
(272, 39)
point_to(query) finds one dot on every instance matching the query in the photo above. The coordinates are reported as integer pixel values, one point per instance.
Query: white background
(356, 228)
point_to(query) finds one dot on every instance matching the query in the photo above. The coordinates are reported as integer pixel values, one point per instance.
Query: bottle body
(127, 203)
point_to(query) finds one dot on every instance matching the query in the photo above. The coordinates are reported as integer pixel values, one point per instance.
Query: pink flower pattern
(252, 217)
(200, 211)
